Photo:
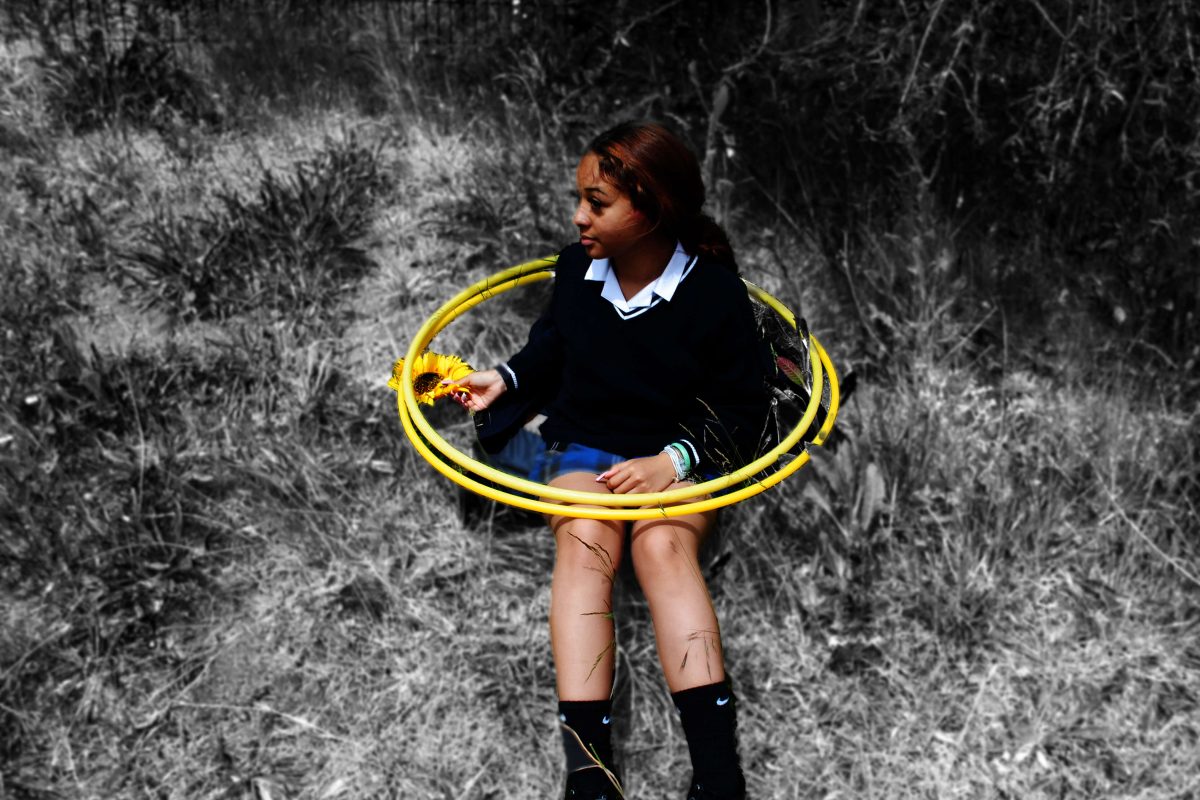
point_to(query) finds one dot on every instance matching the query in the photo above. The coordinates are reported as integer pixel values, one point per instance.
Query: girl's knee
(587, 544)
(662, 552)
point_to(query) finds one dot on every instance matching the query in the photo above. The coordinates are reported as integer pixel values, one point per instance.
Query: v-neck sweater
(689, 369)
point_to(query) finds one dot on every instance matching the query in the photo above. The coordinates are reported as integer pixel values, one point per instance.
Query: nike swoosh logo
(722, 701)
(606, 719)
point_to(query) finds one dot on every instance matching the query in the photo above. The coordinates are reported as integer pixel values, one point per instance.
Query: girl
(651, 375)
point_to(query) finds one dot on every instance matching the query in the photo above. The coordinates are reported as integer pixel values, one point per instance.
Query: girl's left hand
(639, 475)
(482, 389)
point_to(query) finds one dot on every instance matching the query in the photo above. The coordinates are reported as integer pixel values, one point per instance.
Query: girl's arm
(535, 366)
(522, 386)
(538, 366)
(724, 430)
(531, 374)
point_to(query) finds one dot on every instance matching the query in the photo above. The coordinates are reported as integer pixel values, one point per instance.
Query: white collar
(663, 286)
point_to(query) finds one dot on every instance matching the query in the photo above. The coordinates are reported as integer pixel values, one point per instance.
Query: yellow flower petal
(428, 371)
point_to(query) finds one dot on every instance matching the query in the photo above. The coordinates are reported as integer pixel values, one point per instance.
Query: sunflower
(428, 371)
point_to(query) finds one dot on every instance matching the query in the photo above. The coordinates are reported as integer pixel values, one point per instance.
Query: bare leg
(666, 560)
(587, 555)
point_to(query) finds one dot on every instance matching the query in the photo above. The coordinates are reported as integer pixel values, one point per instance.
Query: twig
(54, 636)
(612, 645)
(605, 559)
(469, 785)
(983, 685)
(966, 337)
(733, 69)
(623, 33)
(778, 207)
(1180, 568)
(1049, 21)
(912, 75)
(862, 317)
(264, 709)
(595, 759)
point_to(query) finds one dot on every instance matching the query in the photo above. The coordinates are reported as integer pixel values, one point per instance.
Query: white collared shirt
(659, 290)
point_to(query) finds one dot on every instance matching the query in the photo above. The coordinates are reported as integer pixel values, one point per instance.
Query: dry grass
(225, 575)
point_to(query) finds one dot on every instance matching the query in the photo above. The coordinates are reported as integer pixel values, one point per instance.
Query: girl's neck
(645, 262)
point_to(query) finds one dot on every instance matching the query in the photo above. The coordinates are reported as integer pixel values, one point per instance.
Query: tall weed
(293, 247)
(140, 83)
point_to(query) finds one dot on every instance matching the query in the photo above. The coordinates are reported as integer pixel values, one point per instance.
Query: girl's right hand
(484, 388)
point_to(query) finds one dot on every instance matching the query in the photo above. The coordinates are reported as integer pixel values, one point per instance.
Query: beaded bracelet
(685, 455)
(676, 462)
(681, 458)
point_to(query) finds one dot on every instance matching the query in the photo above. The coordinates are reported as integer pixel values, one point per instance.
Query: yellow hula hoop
(653, 505)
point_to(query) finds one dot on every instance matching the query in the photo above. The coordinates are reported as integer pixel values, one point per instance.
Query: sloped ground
(225, 573)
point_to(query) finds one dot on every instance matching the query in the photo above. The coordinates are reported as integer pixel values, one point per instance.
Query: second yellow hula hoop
(465, 470)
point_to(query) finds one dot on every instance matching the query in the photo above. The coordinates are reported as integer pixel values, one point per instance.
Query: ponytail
(703, 236)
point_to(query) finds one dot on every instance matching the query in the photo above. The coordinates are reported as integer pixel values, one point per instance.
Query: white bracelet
(676, 462)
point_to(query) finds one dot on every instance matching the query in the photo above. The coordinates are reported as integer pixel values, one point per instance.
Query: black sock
(709, 716)
(592, 720)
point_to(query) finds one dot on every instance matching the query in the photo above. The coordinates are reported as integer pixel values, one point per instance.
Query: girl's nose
(581, 218)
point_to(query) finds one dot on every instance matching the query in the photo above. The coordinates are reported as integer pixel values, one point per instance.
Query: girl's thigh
(570, 532)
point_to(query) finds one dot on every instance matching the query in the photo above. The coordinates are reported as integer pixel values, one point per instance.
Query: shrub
(294, 246)
(140, 84)
(1065, 138)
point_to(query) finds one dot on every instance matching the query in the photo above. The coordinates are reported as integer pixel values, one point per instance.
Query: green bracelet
(685, 456)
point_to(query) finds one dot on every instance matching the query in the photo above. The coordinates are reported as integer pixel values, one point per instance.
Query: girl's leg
(587, 554)
(666, 560)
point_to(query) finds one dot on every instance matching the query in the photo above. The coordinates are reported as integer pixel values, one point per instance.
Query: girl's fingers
(613, 470)
(622, 482)
(612, 477)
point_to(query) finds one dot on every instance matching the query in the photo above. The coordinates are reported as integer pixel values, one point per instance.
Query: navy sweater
(691, 368)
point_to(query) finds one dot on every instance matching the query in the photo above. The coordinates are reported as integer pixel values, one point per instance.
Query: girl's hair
(662, 178)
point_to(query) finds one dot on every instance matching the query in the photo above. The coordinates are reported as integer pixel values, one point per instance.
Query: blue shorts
(559, 459)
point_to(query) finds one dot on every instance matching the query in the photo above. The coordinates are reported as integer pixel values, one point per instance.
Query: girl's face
(609, 225)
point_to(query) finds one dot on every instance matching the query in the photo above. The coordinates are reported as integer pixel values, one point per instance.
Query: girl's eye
(594, 203)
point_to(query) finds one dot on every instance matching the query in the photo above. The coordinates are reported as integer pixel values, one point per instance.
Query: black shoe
(592, 783)
(698, 792)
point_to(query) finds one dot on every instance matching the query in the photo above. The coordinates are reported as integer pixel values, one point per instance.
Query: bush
(293, 247)
(1066, 139)
(140, 84)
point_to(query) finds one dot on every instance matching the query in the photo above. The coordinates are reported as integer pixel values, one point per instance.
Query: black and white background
(224, 573)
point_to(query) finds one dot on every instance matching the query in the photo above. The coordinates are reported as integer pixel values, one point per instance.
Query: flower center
(426, 382)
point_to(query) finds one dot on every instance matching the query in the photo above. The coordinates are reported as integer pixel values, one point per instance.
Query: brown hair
(662, 178)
